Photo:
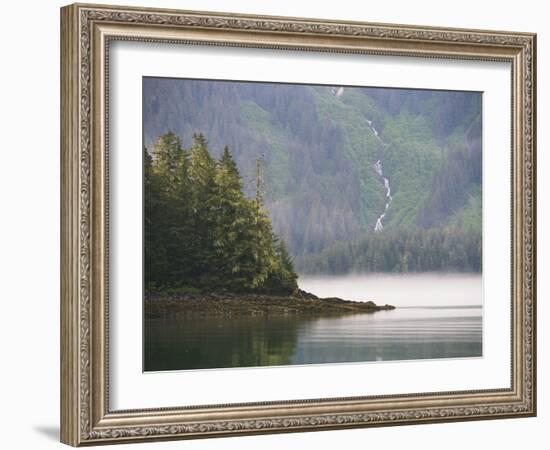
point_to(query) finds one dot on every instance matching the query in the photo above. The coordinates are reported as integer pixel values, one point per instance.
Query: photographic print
(290, 224)
(293, 203)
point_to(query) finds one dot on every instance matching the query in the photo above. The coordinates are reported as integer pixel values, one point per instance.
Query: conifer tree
(234, 213)
(282, 279)
(169, 170)
(167, 154)
(155, 260)
(200, 229)
(262, 238)
(202, 174)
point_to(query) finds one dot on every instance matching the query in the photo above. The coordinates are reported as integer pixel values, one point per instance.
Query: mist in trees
(319, 185)
(201, 231)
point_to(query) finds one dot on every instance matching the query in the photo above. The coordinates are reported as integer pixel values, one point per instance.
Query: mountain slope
(320, 144)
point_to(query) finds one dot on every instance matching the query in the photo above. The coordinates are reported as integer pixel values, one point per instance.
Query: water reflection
(202, 343)
(403, 334)
(406, 333)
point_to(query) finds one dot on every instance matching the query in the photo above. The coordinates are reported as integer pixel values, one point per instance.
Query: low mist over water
(400, 290)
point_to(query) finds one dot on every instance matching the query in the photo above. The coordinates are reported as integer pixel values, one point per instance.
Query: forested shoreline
(201, 231)
(450, 249)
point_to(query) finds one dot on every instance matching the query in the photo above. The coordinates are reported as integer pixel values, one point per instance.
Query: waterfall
(379, 226)
(337, 91)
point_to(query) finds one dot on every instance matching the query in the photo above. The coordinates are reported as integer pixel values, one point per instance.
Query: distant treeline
(401, 250)
(201, 231)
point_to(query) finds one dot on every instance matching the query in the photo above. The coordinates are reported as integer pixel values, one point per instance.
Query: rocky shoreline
(225, 304)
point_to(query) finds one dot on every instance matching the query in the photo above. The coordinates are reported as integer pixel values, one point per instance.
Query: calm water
(436, 317)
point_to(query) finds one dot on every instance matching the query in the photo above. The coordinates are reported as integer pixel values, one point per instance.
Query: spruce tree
(201, 231)
(262, 236)
(202, 174)
(168, 169)
(155, 261)
(233, 212)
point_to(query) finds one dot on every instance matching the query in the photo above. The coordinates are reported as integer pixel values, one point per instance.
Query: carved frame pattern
(84, 386)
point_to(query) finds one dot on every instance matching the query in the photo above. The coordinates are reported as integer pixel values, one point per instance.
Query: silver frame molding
(86, 33)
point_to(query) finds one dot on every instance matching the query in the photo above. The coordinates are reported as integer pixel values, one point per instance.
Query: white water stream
(379, 226)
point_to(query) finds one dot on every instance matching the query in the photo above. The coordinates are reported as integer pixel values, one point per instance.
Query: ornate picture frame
(87, 32)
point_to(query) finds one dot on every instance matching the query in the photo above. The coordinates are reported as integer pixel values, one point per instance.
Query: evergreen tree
(167, 154)
(201, 230)
(168, 222)
(283, 279)
(155, 260)
(202, 174)
(234, 213)
(263, 251)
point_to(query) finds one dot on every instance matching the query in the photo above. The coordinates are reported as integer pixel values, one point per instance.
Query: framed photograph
(274, 224)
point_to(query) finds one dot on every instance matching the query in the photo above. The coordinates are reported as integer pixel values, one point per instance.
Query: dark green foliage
(458, 180)
(284, 278)
(400, 250)
(201, 231)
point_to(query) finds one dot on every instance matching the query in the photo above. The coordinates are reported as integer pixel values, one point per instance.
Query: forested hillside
(338, 161)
